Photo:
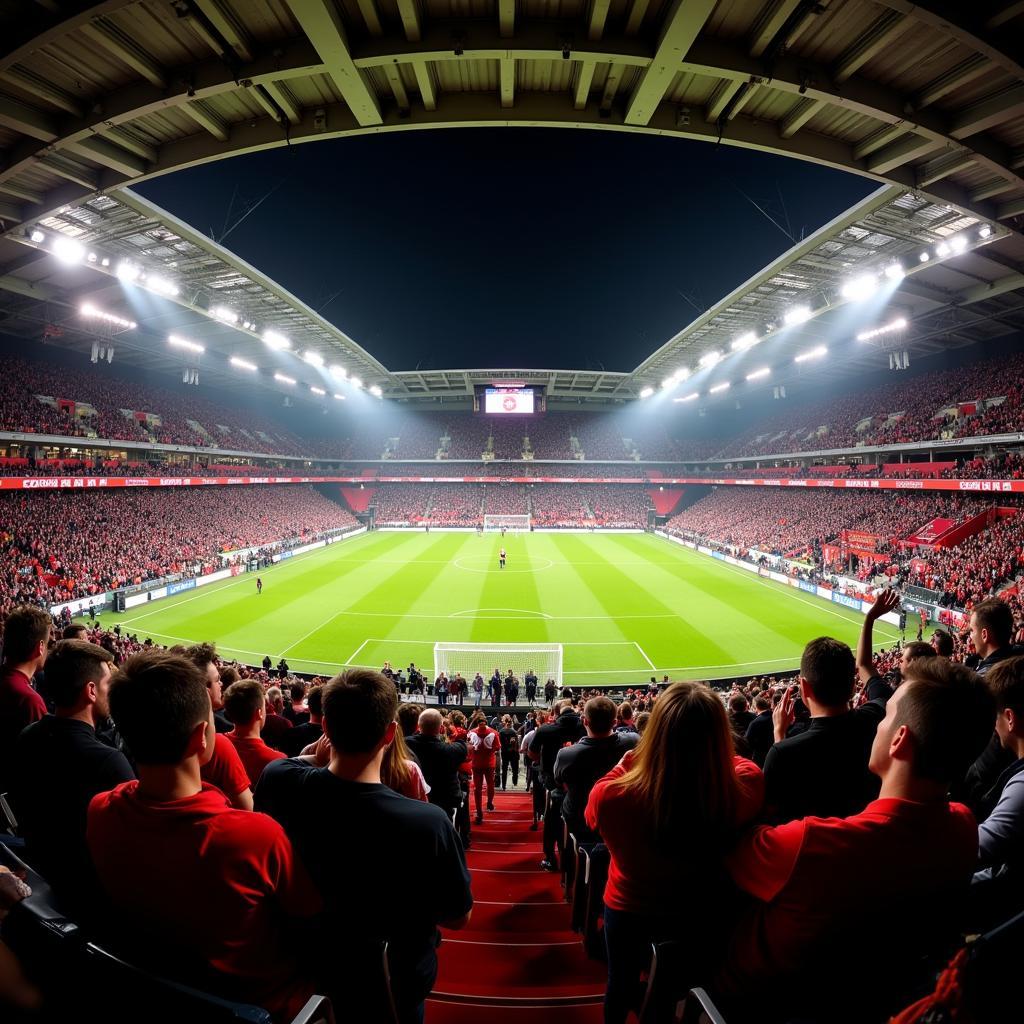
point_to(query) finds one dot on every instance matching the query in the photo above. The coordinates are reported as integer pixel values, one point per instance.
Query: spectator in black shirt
(625, 716)
(63, 764)
(740, 715)
(578, 767)
(544, 747)
(509, 738)
(356, 837)
(823, 771)
(760, 734)
(309, 732)
(439, 761)
(295, 711)
(276, 728)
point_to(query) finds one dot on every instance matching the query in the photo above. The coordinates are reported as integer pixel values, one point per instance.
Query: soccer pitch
(625, 607)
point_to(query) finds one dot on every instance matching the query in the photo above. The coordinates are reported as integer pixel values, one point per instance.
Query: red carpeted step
(512, 918)
(500, 972)
(525, 859)
(439, 1012)
(473, 1013)
(492, 834)
(516, 886)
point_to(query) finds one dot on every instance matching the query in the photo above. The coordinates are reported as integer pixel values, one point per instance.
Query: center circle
(488, 565)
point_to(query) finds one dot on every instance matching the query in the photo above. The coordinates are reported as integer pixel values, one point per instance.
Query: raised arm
(885, 602)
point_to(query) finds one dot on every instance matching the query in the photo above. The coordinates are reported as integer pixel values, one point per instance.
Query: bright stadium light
(924, 257)
(340, 398)
(758, 374)
(90, 312)
(958, 243)
(647, 392)
(710, 358)
(92, 257)
(128, 272)
(895, 272)
(681, 374)
(284, 378)
(745, 341)
(178, 342)
(667, 383)
(37, 236)
(797, 315)
(313, 358)
(162, 285)
(243, 364)
(339, 372)
(356, 382)
(896, 325)
(985, 231)
(376, 391)
(863, 286)
(223, 313)
(316, 390)
(688, 398)
(724, 386)
(814, 353)
(68, 251)
(276, 340)
(942, 249)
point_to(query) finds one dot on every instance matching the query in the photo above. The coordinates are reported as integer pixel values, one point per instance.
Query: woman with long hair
(669, 812)
(398, 770)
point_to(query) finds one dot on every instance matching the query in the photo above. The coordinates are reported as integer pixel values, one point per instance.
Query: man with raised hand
(874, 685)
(348, 826)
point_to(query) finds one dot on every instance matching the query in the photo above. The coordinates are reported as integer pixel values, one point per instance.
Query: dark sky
(509, 247)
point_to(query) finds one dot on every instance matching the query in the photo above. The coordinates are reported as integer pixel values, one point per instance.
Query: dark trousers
(462, 815)
(509, 760)
(628, 938)
(539, 794)
(553, 827)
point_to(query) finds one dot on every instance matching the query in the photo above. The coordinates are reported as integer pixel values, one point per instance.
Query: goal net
(544, 659)
(492, 523)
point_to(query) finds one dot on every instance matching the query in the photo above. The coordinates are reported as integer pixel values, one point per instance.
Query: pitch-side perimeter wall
(825, 593)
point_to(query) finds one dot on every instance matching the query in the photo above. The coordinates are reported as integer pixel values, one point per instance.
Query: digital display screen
(508, 400)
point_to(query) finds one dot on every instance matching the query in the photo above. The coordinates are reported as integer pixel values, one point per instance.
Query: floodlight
(229, 316)
(37, 236)
(92, 257)
(668, 382)
(646, 392)
(340, 398)
(284, 378)
(356, 382)
(681, 374)
(156, 283)
(376, 391)
(179, 342)
(90, 312)
(858, 288)
(688, 398)
(104, 262)
(758, 374)
(985, 231)
(895, 272)
(958, 242)
(724, 386)
(896, 325)
(710, 358)
(745, 341)
(276, 340)
(243, 364)
(316, 390)
(68, 251)
(797, 315)
(924, 257)
(942, 249)
(814, 353)
(337, 371)
(128, 271)
(313, 358)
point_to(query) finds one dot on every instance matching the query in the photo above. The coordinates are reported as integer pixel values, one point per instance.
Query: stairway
(518, 962)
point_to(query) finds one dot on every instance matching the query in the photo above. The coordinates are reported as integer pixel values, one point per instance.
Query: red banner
(18, 483)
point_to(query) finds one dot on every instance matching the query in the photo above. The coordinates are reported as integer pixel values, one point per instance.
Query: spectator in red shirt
(484, 743)
(668, 813)
(222, 767)
(245, 707)
(193, 880)
(26, 640)
(822, 885)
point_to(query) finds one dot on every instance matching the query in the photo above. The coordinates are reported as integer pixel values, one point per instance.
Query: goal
(492, 523)
(544, 659)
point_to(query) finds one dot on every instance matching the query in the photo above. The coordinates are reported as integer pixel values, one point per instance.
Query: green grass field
(625, 607)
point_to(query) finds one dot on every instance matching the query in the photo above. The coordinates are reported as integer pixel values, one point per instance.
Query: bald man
(439, 759)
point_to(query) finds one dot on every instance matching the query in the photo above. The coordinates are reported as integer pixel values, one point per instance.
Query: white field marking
(814, 604)
(526, 613)
(643, 654)
(216, 588)
(356, 651)
(530, 568)
(315, 629)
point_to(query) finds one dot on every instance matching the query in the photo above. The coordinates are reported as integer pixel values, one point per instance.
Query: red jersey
(255, 755)
(209, 879)
(225, 769)
(643, 878)
(483, 747)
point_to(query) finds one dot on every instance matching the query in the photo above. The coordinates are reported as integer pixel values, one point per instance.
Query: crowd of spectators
(60, 546)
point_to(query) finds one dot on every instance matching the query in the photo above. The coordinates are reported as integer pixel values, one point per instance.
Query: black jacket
(550, 738)
(440, 762)
(578, 768)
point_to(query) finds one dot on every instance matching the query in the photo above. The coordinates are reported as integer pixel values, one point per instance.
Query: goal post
(467, 658)
(495, 522)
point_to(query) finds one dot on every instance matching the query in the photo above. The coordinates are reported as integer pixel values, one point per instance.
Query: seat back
(700, 1009)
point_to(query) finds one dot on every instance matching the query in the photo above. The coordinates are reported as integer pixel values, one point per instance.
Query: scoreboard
(508, 401)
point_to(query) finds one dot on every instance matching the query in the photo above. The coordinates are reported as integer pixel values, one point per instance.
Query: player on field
(501, 559)
(259, 585)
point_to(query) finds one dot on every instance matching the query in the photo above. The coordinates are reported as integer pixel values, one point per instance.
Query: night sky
(509, 247)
